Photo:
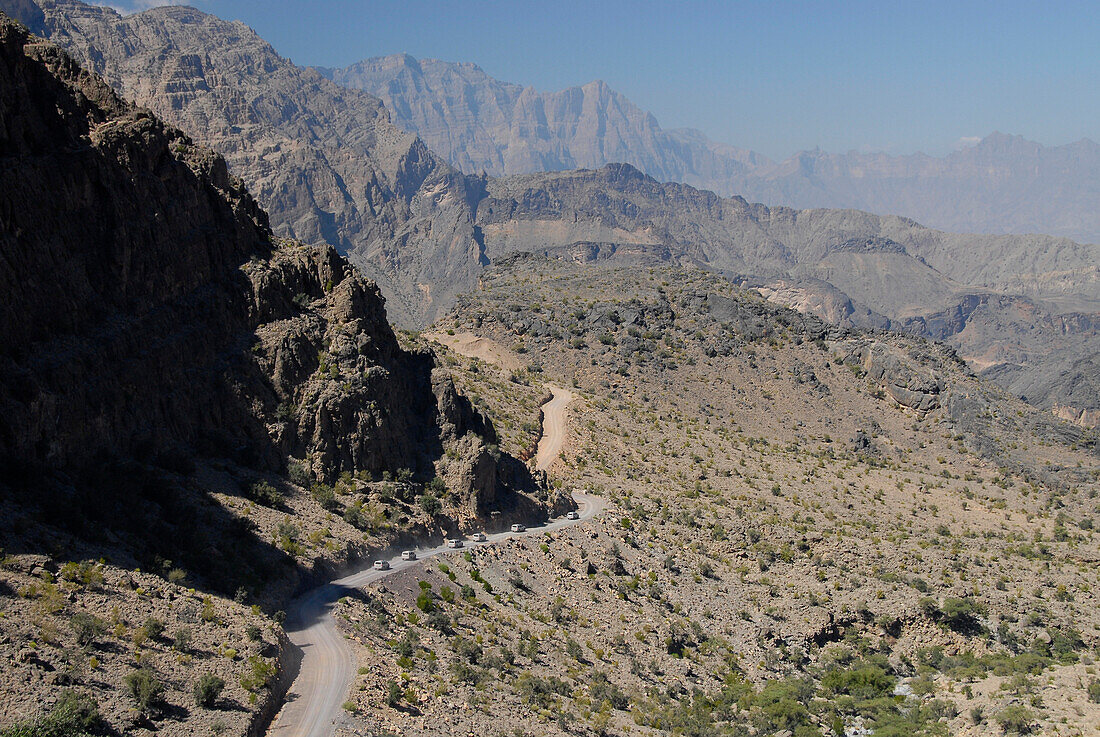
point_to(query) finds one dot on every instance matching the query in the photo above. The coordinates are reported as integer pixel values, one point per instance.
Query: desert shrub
(87, 573)
(1016, 719)
(781, 706)
(1064, 643)
(439, 622)
(929, 608)
(208, 613)
(431, 504)
(297, 473)
(144, 688)
(601, 689)
(942, 709)
(864, 681)
(356, 517)
(539, 691)
(181, 639)
(1094, 691)
(325, 495)
(393, 693)
(264, 493)
(207, 690)
(87, 628)
(467, 650)
(406, 646)
(153, 627)
(465, 673)
(74, 715)
(259, 674)
(287, 534)
(961, 615)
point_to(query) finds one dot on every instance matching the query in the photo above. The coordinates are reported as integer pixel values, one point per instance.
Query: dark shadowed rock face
(325, 161)
(149, 314)
(121, 244)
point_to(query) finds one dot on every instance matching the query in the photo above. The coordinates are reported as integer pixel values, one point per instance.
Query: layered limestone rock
(907, 383)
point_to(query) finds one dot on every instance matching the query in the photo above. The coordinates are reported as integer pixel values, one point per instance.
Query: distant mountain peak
(1003, 183)
(480, 123)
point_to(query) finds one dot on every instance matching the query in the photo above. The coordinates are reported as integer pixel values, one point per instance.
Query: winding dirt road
(328, 665)
(554, 427)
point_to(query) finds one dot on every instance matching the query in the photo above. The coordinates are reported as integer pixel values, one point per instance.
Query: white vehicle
(381, 565)
(572, 514)
(517, 527)
(479, 537)
(408, 555)
(454, 543)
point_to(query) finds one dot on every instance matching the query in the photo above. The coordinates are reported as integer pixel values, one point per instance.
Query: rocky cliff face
(121, 243)
(325, 161)
(150, 315)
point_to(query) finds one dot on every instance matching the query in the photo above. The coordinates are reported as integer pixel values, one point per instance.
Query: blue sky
(776, 77)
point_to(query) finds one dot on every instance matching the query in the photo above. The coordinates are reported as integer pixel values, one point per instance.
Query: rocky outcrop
(343, 395)
(906, 382)
(150, 316)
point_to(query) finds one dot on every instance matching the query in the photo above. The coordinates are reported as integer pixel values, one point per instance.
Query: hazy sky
(776, 77)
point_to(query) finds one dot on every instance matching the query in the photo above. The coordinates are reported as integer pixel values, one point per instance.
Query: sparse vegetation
(207, 690)
(145, 690)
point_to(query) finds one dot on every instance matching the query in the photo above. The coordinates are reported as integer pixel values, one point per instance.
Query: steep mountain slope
(172, 380)
(482, 124)
(1005, 184)
(810, 530)
(323, 160)
(427, 232)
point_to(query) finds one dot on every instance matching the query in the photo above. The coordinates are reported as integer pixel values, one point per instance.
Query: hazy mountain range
(1004, 184)
(329, 165)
